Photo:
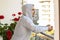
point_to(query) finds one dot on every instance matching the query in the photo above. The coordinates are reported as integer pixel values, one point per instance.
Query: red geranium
(19, 13)
(9, 34)
(13, 14)
(16, 19)
(1, 17)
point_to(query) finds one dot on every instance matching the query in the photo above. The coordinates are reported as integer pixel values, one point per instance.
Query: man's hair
(51, 26)
(48, 25)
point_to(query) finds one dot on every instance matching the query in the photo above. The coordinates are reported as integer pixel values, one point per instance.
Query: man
(25, 25)
(50, 30)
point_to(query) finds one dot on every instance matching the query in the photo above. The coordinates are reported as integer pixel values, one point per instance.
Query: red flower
(16, 19)
(13, 14)
(9, 34)
(19, 13)
(1, 17)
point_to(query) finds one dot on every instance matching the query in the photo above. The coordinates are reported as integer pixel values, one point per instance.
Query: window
(46, 10)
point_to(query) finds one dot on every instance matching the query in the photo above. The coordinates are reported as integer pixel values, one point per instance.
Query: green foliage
(5, 27)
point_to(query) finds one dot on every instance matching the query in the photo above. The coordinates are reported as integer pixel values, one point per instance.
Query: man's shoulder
(26, 18)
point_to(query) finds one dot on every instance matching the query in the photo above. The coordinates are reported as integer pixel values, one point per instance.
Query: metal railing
(49, 37)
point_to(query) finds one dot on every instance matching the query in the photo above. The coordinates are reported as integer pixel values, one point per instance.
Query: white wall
(8, 7)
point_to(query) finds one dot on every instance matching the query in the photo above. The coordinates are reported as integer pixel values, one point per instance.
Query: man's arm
(35, 28)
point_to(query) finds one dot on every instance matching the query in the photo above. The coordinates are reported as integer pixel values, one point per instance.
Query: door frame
(57, 18)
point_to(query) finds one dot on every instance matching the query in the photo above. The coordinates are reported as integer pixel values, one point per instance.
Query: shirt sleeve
(35, 28)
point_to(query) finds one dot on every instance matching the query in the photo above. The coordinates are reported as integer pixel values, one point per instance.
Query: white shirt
(24, 28)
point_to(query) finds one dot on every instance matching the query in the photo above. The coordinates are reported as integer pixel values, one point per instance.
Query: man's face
(33, 12)
(50, 28)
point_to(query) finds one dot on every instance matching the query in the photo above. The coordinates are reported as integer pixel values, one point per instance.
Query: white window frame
(56, 10)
